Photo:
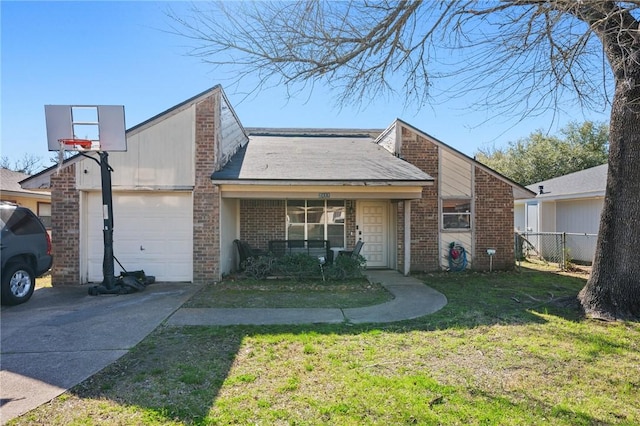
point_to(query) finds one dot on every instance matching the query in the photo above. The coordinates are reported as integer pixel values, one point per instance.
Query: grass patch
(286, 293)
(508, 349)
(44, 281)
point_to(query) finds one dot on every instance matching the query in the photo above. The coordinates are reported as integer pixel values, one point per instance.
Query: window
(456, 214)
(316, 220)
(44, 213)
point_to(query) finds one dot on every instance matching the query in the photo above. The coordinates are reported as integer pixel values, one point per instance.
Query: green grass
(508, 349)
(247, 293)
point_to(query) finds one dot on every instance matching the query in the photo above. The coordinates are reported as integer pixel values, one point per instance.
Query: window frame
(45, 218)
(468, 213)
(326, 210)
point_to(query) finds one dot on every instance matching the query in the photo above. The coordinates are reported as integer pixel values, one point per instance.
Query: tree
(539, 157)
(523, 55)
(28, 164)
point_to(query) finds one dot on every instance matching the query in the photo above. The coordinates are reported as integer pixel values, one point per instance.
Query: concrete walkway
(412, 299)
(62, 336)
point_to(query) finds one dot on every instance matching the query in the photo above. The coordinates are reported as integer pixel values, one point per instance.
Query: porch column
(407, 237)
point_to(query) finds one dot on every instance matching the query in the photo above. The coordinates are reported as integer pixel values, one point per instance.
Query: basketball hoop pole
(109, 279)
(94, 129)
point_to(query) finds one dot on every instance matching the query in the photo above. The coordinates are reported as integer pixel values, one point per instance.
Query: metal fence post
(564, 250)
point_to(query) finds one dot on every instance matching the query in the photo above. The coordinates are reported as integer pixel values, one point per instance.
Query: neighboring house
(193, 180)
(571, 204)
(38, 202)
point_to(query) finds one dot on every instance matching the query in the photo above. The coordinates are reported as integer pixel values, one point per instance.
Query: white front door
(372, 228)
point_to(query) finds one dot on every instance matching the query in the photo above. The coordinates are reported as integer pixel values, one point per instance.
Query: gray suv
(25, 250)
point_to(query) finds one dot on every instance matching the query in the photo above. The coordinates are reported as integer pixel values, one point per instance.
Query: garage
(152, 232)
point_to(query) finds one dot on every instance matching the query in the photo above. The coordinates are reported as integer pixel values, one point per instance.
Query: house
(194, 179)
(570, 204)
(38, 202)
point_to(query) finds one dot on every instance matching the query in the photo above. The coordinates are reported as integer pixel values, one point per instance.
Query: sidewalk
(412, 299)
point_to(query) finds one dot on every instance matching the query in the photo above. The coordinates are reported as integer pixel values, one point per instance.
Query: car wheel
(18, 283)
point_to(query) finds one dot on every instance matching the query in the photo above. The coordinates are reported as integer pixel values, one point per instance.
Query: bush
(346, 267)
(259, 267)
(299, 266)
(302, 266)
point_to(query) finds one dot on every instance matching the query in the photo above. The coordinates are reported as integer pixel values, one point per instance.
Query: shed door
(152, 232)
(373, 229)
(532, 217)
(532, 225)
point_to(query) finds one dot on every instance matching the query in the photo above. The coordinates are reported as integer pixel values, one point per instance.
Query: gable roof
(519, 191)
(331, 157)
(586, 183)
(10, 184)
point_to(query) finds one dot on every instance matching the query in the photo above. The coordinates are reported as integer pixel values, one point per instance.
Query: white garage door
(152, 232)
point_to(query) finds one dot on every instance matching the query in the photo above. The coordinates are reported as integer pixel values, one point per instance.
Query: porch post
(407, 237)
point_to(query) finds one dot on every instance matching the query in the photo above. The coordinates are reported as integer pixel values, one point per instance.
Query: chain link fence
(562, 248)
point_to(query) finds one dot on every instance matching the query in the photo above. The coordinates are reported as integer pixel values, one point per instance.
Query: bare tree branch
(28, 164)
(506, 51)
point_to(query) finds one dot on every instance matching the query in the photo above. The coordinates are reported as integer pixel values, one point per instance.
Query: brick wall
(206, 196)
(424, 213)
(350, 224)
(261, 221)
(65, 228)
(493, 221)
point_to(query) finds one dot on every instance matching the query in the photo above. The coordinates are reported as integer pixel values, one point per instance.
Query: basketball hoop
(77, 143)
(71, 145)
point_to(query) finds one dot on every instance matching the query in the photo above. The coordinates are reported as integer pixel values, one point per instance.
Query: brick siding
(261, 221)
(424, 212)
(350, 224)
(493, 221)
(65, 227)
(206, 196)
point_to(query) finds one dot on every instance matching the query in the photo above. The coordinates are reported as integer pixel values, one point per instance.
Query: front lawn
(289, 293)
(508, 349)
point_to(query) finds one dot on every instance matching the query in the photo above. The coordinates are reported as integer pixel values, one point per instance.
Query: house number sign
(323, 195)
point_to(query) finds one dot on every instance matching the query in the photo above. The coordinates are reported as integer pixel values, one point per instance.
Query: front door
(372, 222)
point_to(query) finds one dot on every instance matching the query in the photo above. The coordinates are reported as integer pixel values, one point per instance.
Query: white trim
(313, 192)
(407, 237)
(83, 240)
(574, 196)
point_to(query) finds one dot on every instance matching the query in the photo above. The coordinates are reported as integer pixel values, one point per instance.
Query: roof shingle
(318, 158)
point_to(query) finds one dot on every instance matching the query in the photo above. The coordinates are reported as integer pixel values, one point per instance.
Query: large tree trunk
(613, 291)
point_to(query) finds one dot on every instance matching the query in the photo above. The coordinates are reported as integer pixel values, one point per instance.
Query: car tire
(18, 283)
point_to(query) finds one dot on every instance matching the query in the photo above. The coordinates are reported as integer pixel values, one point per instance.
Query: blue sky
(119, 53)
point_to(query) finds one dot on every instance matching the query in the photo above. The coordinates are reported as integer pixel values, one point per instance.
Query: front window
(316, 220)
(456, 214)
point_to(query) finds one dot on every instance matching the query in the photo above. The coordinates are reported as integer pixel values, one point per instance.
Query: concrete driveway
(63, 336)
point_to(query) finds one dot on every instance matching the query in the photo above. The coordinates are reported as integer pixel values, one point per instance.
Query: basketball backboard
(103, 125)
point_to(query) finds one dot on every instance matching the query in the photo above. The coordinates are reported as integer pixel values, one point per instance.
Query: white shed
(570, 204)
